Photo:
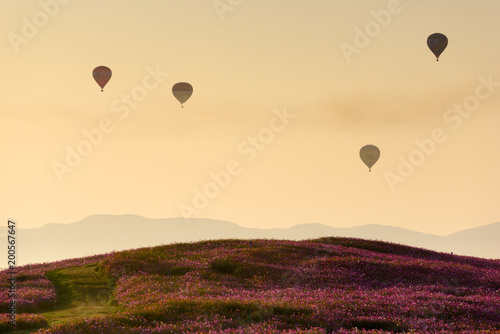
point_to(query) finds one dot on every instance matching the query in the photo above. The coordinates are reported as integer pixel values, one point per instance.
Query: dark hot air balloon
(101, 75)
(437, 43)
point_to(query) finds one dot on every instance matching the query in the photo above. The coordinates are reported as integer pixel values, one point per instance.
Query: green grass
(81, 292)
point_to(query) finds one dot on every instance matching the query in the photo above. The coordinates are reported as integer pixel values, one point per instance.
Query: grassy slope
(83, 291)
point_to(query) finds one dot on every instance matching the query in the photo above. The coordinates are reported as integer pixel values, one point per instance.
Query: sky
(285, 95)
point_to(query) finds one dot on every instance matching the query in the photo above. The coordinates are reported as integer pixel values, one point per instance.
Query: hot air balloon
(369, 154)
(182, 91)
(437, 43)
(101, 75)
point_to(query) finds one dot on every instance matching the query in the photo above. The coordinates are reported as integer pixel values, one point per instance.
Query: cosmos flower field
(327, 285)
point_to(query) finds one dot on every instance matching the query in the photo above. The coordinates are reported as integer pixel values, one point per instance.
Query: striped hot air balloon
(182, 92)
(101, 75)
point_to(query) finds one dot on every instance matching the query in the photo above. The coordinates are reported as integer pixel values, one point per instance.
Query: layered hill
(325, 285)
(105, 233)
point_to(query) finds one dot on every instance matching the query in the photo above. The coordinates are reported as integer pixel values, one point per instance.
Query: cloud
(398, 108)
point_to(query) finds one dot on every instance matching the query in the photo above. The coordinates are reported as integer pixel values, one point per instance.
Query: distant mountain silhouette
(104, 233)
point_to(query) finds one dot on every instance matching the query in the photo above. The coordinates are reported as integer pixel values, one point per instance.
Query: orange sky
(285, 95)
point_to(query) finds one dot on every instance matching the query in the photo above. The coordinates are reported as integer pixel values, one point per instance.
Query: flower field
(327, 285)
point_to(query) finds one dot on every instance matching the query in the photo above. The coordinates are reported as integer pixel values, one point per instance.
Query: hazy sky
(286, 92)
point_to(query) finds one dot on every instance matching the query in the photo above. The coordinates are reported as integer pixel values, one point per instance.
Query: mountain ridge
(97, 234)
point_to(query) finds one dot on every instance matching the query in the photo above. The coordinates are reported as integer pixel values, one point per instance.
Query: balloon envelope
(369, 154)
(437, 43)
(182, 91)
(101, 75)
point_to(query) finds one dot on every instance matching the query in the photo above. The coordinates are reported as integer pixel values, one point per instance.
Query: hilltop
(325, 285)
(100, 234)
